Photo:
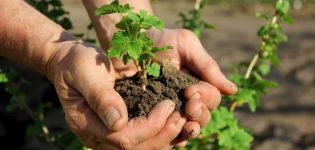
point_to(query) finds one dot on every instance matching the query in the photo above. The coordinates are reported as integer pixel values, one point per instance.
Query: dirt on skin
(169, 85)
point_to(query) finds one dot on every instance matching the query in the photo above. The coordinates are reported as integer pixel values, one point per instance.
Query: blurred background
(286, 118)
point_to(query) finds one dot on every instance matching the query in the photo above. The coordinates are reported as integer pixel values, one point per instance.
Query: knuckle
(187, 36)
(215, 99)
(95, 99)
(125, 143)
(155, 128)
(186, 32)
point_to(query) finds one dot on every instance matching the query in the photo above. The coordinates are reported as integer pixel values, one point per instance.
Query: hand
(189, 55)
(84, 80)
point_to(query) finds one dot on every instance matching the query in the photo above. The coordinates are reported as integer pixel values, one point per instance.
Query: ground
(285, 120)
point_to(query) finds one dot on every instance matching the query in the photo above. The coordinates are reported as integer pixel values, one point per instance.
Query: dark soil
(169, 85)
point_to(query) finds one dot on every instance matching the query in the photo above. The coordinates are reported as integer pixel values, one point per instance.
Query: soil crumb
(169, 85)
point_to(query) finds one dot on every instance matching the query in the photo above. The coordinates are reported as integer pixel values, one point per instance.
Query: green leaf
(133, 16)
(249, 96)
(149, 21)
(263, 30)
(124, 24)
(154, 69)
(135, 49)
(288, 19)
(283, 6)
(120, 43)
(262, 15)
(236, 78)
(126, 59)
(114, 7)
(208, 25)
(235, 138)
(220, 118)
(3, 78)
(264, 69)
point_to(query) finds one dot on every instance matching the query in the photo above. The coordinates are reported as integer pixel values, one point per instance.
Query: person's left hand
(189, 55)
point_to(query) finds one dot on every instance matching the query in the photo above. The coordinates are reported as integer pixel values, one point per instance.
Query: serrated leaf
(247, 96)
(113, 7)
(154, 69)
(149, 21)
(135, 49)
(120, 43)
(235, 138)
(220, 118)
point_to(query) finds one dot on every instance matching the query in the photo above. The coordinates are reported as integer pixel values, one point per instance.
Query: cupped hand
(189, 55)
(84, 80)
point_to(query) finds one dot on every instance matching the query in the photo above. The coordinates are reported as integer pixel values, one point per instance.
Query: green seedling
(131, 42)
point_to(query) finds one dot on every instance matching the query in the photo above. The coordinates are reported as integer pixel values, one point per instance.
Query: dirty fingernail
(171, 107)
(111, 116)
(196, 95)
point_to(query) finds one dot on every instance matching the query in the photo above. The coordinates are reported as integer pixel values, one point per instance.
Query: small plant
(194, 20)
(131, 41)
(224, 132)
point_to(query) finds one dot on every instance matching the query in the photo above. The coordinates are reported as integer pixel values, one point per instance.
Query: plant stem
(254, 60)
(251, 65)
(197, 4)
(233, 106)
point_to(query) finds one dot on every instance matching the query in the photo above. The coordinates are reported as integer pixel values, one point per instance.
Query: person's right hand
(84, 80)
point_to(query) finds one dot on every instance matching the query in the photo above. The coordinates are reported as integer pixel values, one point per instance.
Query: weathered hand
(84, 80)
(189, 55)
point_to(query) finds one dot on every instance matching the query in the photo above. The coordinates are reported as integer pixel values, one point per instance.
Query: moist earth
(169, 85)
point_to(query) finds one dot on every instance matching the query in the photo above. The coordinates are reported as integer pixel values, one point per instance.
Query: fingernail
(111, 116)
(180, 122)
(196, 95)
(171, 107)
(233, 86)
(196, 114)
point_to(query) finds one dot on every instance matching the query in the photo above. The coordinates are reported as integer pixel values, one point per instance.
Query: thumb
(102, 98)
(202, 64)
(110, 107)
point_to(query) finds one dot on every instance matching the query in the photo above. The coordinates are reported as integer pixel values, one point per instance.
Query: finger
(190, 130)
(198, 60)
(110, 108)
(196, 106)
(143, 128)
(209, 95)
(165, 139)
(181, 144)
